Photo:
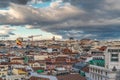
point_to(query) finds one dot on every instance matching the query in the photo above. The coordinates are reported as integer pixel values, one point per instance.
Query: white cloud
(5, 30)
(24, 14)
(29, 26)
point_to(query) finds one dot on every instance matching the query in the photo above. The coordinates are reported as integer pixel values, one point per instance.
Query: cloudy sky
(95, 19)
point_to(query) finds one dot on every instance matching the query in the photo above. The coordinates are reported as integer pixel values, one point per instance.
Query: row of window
(2, 74)
(97, 58)
(96, 52)
(96, 77)
(113, 50)
(98, 71)
(114, 60)
(114, 55)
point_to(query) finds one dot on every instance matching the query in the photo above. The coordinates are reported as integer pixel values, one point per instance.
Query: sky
(94, 19)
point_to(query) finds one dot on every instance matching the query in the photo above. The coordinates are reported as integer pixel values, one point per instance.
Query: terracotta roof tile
(85, 69)
(17, 59)
(71, 77)
(38, 78)
(9, 63)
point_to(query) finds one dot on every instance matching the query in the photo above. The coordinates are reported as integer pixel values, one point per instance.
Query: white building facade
(111, 70)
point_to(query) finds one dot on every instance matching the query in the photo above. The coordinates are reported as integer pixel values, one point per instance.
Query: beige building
(3, 71)
(19, 72)
(18, 60)
(40, 57)
(41, 64)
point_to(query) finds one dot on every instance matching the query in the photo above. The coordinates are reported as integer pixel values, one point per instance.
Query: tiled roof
(71, 77)
(38, 78)
(56, 47)
(66, 50)
(37, 61)
(37, 68)
(17, 59)
(103, 48)
(85, 69)
(58, 60)
(10, 63)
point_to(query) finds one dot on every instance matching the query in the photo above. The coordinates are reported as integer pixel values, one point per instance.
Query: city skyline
(95, 19)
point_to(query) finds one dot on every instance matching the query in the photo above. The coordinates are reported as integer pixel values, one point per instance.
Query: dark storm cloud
(19, 14)
(19, 1)
(83, 18)
(5, 3)
(87, 4)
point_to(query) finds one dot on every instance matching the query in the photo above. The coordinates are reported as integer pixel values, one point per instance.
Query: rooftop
(38, 78)
(71, 77)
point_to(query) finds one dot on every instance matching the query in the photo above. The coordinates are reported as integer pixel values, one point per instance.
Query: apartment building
(110, 68)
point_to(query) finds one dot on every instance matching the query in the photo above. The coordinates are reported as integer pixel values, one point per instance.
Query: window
(106, 73)
(98, 71)
(2, 73)
(113, 50)
(101, 72)
(98, 78)
(93, 75)
(114, 60)
(114, 57)
(42, 64)
(91, 69)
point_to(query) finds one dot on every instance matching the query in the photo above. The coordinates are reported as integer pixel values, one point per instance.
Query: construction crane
(33, 37)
